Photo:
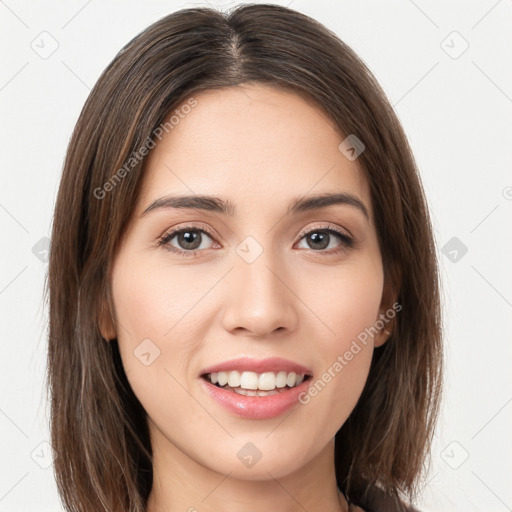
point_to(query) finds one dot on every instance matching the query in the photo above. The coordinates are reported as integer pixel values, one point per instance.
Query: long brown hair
(98, 427)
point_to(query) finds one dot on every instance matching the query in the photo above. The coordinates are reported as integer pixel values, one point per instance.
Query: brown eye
(320, 239)
(188, 240)
(185, 240)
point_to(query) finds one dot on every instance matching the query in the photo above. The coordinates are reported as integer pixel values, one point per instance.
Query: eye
(320, 238)
(187, 240)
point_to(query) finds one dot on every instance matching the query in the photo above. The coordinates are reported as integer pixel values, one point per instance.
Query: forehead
(254, 144)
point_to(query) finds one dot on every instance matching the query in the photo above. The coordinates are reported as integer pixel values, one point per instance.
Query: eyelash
(346, 241)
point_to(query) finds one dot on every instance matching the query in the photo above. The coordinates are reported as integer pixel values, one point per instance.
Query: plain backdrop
(446, 68)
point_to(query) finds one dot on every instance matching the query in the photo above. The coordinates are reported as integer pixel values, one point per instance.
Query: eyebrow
(218, 205)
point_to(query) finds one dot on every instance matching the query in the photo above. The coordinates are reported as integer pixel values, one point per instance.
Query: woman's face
(255, 281)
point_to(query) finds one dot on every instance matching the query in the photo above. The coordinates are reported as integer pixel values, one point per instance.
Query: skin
(258, 147)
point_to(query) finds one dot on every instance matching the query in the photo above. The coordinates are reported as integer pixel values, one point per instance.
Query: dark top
(378, 501)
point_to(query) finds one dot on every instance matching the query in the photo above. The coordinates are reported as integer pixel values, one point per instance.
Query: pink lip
(246, 364)
(256, 407)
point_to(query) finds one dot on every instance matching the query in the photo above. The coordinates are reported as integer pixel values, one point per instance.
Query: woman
(243, 286)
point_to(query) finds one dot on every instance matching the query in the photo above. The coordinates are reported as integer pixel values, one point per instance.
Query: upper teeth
(251, 380)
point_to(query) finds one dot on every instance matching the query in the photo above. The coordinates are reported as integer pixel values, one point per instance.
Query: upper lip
(271, 364)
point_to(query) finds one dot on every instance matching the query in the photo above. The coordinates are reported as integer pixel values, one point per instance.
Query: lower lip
(256, 407)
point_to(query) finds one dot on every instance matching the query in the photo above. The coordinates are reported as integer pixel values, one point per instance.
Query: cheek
(157, 319)
(346, 305)
(156, 301)
(343, 300)
(353, 307)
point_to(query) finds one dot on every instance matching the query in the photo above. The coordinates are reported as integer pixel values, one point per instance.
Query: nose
(260, 298)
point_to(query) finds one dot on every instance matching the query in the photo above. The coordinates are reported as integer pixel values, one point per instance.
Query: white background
(457, 111)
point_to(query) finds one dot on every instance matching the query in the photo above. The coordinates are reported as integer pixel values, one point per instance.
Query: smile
(256, 404)
(256, 384)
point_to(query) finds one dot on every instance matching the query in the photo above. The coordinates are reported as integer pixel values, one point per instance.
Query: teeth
(222, 378)
(233, 379)
(267, 381)
(281, 380)
(251, 381)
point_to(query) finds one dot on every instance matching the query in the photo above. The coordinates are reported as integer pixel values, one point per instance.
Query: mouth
(256, 384)
(256, 389)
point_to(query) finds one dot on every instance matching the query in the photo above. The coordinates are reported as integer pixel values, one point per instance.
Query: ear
(389, 307)
(106, 324)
